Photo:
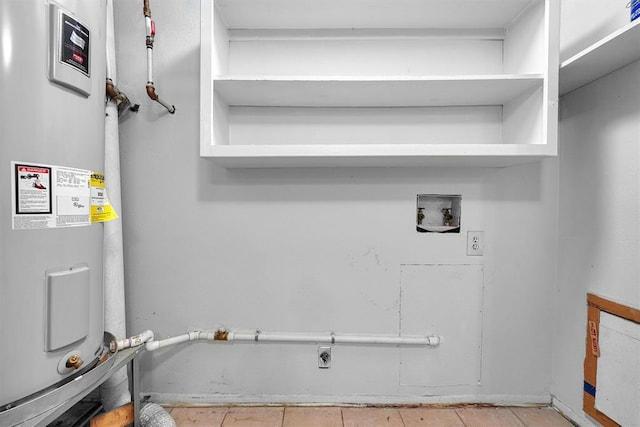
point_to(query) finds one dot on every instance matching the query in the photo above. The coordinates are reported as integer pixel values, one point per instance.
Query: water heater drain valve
(70, 362)
(74, 362)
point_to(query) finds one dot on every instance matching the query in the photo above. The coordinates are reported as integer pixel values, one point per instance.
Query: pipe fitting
(120, 98)
(74, 362)
(221, 335)
(434, 340)
(152, 345)
(111, 90)
(134, 341)
(151, 92)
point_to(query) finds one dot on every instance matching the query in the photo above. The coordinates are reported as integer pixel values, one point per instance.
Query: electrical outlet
(324, 357)
(475, 243)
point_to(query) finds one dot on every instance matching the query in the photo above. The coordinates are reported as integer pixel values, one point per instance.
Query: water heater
(52, 80)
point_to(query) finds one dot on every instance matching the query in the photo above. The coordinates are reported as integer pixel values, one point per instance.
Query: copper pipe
(151, 91)
(111, 90)
(150, 35)
(221, 335)
(122, 101)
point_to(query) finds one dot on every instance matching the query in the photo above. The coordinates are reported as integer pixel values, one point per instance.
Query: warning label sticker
(101, 209)
(47, 196)
(34, 189)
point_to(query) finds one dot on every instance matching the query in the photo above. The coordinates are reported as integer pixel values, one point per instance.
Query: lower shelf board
(382, 155)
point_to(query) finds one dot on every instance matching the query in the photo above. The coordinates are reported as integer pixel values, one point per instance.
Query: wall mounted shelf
(400, 91)
(378, 155)
(290, 83)
(611, 53)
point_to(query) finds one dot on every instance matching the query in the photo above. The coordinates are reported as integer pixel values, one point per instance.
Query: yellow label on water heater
(101, 209)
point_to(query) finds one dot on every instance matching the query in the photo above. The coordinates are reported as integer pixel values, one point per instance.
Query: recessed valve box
(438, 213)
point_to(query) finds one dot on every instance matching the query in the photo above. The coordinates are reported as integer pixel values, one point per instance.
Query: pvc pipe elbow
(147, 335)
(152, 345)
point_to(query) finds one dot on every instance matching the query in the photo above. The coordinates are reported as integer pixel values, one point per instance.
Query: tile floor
(332, 416)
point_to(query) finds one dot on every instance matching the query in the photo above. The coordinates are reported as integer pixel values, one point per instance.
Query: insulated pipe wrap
(114, 391)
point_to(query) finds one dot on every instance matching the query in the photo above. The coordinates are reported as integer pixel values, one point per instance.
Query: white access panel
(445, 300)
(618, 377)
(67, 306)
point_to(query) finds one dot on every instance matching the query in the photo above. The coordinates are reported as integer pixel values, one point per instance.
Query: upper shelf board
(609, 54)
(394, 155)
(374, 91)
(327, 14)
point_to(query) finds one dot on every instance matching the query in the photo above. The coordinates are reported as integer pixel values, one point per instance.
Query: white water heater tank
(52, 85)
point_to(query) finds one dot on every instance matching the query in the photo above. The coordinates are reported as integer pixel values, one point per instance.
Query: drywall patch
(444, 300)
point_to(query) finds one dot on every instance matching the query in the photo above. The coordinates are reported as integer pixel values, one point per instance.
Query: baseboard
(340, 400)
(579, 418)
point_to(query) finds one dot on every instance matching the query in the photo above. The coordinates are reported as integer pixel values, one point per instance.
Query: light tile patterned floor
(332, 416)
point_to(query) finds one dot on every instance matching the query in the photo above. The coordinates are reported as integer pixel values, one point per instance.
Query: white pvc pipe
(431, 340)
(222, 336)
(147, 24)
(190, 336)
(133, 341)
(111, 42)
(114, 391)
(277, 337)
(149, 65)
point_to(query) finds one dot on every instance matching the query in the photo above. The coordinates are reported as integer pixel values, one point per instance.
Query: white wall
(599, 193)
(584, 22)
(599, 214)
(311, 250)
